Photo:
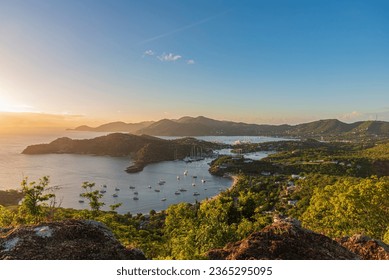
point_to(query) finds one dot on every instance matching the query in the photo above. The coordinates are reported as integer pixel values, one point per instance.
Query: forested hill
(144, 149)
(201, 126)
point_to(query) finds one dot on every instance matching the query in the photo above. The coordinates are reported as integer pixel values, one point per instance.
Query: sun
(7, 107)
(4, 101)
(11, 107)
(4, 106)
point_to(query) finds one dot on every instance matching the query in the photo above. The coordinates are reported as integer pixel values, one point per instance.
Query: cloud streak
(183, 28)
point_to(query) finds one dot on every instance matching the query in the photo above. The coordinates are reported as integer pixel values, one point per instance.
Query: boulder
(65, 240)
(283, 240)
(365, 247)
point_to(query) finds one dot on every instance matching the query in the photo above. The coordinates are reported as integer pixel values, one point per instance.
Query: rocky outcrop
(284, 240)
(67, 240)
(365, 247)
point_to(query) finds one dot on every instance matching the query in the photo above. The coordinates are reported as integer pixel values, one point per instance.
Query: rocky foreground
(365, 247)
(67, 240)
(287, 240)
(90, 240)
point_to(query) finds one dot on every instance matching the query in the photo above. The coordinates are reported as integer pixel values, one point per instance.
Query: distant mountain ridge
(116, 127)
(202, 126)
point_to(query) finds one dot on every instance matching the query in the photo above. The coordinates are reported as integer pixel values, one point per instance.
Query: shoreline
(234, 178)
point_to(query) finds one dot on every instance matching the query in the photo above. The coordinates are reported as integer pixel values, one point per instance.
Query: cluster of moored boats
(161, 182)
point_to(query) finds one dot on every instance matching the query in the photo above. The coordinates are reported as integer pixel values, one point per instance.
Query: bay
(68, 172)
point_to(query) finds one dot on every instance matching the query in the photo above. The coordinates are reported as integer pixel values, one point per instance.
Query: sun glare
(6, 106)
(4, 102)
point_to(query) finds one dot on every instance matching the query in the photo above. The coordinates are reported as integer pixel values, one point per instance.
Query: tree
(386, 236)
(6, 217)
(180, 230)
(34, 206)
(217, 224)
(349, 207)
(94, 197)
(115, 206)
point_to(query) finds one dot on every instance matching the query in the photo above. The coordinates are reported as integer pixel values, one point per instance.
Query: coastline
(234, 178)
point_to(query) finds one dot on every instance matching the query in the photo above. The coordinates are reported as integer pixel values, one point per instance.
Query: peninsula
(142, 149)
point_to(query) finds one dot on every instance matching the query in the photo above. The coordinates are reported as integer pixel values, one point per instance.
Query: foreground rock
(365, 247)
(284, 240)
(67, 240)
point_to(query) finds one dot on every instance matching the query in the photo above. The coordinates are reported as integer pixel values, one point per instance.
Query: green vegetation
(348, 207)
(378, 152)
(34, 207)
(6, 216)
(94, 197)
(336, 188)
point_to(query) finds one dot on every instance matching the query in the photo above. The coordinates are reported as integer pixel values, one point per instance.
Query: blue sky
(253, 61)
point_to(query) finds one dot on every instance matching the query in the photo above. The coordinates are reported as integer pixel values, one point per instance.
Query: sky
(256, 61)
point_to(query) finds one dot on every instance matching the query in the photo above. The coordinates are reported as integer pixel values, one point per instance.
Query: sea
(155, 188)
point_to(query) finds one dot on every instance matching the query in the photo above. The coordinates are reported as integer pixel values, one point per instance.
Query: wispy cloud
(169, 57)
(351, 116)
(185, 27)
(190, 61)
(148, 53)
(365, 116)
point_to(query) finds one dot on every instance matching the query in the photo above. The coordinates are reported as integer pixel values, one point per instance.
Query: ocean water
(68, 172)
